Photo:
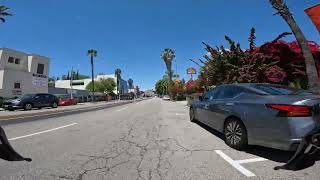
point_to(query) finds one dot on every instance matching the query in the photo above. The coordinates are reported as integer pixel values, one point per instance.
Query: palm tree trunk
(92, 78)
(314, 84)
(312, 74)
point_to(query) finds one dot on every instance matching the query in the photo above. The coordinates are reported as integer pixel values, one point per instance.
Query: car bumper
(289, 139)
(12, 107)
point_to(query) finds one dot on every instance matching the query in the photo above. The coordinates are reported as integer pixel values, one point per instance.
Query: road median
(25, 116)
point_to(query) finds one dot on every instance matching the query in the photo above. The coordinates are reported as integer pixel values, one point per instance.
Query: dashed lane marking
(41, 132)
(122, 109)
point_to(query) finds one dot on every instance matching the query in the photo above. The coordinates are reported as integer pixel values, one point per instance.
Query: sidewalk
(10, 114)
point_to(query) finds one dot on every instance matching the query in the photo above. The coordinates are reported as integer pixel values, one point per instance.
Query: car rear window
(279, 90)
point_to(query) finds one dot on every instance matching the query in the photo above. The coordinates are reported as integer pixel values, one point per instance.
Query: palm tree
(117, 73)
(130, 82)
(4, 13)
(92, 53)
(284, 12)
(168, 55)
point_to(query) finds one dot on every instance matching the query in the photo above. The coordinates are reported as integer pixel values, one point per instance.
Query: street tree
(92, 54)
(168, 55)
(130, 82)
(311, 71)
(106, 85)
(117, 73)
(161, 86)
(4, 13)
(96, 86)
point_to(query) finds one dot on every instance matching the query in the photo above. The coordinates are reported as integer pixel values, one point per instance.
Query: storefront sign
(39, 75)
(39, 81)
(191, 71)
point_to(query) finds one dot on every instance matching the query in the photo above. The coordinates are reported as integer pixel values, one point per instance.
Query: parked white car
(166, 97)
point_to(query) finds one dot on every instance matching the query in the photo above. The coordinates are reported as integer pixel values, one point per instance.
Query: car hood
(12, 101)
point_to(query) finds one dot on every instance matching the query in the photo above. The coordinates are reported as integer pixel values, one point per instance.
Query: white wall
(24, 73)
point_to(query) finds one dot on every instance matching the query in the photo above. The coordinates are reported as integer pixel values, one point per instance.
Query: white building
(82, 84)
(22, 73)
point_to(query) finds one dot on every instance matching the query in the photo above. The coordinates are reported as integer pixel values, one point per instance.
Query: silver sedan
(258, 114)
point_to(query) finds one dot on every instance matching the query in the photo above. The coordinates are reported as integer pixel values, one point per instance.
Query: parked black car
(29, 101)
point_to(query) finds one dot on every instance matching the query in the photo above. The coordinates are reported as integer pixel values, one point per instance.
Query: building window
(78, 83)
(10, 60)
(40, 68)
(16, 85)
(17, 61)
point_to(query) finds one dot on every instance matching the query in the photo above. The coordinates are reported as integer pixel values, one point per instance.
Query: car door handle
(229, 104)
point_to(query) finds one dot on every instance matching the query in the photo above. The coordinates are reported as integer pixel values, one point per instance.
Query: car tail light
(291, 110)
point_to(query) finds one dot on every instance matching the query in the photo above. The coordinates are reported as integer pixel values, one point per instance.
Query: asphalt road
(151, 139)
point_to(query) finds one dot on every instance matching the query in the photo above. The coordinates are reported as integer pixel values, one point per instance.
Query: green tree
(107, 85)
(68, 76)
(4, 13)
(117, 73)
(161, 86)
(81, 76)
(130, 82)
(77, 75)
(92, 53)
(93, 86)
(283, 10)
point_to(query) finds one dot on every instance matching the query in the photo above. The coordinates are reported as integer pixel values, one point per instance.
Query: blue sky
(130, 34)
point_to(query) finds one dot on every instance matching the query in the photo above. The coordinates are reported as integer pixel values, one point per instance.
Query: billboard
(191, 70)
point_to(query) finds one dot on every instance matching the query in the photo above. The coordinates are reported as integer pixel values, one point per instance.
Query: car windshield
(279, 90)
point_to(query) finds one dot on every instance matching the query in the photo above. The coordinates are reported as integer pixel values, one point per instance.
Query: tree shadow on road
(264, 152)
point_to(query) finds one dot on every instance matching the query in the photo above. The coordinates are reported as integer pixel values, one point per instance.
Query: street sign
(191, 70)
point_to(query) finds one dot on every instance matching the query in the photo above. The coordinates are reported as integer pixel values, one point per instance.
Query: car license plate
(5, 106)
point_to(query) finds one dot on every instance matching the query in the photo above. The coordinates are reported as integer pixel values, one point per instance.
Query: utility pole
(71, 83)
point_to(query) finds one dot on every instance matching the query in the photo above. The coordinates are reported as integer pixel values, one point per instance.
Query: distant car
(166, 97)
(30, 101)
(67, 102)
(1, 101)
(258, 114)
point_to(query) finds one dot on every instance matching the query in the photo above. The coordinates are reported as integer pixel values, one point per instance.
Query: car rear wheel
(27, 107)
(192, 114)
(235, 134)
(54, 105)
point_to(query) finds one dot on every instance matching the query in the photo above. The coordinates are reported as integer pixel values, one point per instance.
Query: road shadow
(264, 152)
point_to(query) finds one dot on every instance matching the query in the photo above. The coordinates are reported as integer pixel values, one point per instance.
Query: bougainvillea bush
(276, 61)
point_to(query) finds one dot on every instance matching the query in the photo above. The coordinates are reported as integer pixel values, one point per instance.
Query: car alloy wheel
(235, 134)
(28, 106)
(54, 105)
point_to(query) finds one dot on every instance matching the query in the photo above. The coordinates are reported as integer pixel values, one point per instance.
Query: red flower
(275, 74)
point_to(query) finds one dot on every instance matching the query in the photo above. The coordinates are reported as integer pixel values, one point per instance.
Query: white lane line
(20, 137)
(235, 164)
(122, 109)
(250, 160)
(179, 114)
